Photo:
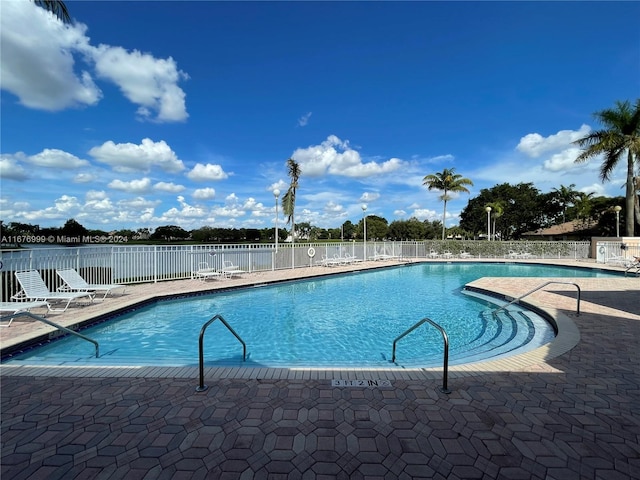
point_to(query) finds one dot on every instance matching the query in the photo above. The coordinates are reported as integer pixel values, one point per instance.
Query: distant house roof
(566, 228)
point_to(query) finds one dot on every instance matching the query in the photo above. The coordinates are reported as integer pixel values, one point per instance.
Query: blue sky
(144, 114)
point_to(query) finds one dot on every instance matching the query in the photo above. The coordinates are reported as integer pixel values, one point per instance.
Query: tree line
(515, 210)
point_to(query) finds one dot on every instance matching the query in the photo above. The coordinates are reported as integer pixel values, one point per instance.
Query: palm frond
(58, 8)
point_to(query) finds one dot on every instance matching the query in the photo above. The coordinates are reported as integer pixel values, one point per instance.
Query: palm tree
(58, 8)
(584, 205)
(289, 198)
(497, 209)
(621, 135)
(446, 181)
(565, 196)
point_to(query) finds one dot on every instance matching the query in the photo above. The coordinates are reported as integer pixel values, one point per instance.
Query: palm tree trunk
(630, 200)
(444, 217)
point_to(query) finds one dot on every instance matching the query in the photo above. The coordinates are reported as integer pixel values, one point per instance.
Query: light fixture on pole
(364, 222)
(617, 209)
(488, 210)
(276, 193)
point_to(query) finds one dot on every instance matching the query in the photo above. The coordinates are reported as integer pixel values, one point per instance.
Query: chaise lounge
(73, 282)
(34, 289)
(205, 272)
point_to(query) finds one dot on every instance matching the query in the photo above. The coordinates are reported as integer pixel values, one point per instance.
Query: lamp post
(364, 221)
(276, 193)
(617, 209)
(488, 210)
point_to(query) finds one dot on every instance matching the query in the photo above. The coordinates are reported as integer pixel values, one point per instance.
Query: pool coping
(567, 337)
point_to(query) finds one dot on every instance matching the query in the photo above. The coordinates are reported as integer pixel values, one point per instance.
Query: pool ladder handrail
(201, 386)
(516, 300)
(445, 338)
(12, 316)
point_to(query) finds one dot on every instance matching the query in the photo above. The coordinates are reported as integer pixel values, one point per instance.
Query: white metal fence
(128, 264)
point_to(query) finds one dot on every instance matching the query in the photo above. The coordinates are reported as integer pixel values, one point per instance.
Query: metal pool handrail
(445, 338)
(201, 386)
(516, 300)
(53, 324)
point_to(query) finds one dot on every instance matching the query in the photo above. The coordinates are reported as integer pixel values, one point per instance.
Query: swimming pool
(342, 321)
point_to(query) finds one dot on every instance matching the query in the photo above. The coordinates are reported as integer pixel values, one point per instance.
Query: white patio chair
(73, 282)
(34, 289)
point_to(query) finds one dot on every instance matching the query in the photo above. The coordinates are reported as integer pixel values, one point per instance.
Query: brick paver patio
(574, 416)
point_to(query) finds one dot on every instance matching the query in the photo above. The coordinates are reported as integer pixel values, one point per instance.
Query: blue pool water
(347, 320)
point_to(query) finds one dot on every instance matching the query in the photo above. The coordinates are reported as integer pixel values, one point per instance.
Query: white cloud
(185, 211)
(229, 212)
(84, 178)
(201, 173)
(54, 158)
(168, 187)
(93, 195)
(336, 157)
(564, 160)
(534, 144)
(67, 203)
(369, 197)
(204, 193)
(129, 157)
(38, 64)
(134, 186)
(11, 164)
(138, 203)
(302, 121)
(332, 207)
(426, 214)
(10, 169)
(595, 188)
(251, 203)
(146, 81)
(63, 208)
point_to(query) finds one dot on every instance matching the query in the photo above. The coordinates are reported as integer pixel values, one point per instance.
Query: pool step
(519, 331)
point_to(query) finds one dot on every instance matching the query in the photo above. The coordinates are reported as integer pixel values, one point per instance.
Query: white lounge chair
(617, 260)
(229, 269)
(446, 254)
(205, 272)
(433, 254)
(464, 254)
(73, 282)
(34, 289)
(351, 259)
(379, 256)
(329, 262)
(16, 307)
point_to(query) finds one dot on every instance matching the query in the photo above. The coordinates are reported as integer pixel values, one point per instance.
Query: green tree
(73, 229)
(289, 198)
(446, 181)
(348, 230)
(525, 209)
(203, 234)
(412, 229)
(334, 233)
(377, 228)
(169, 233)
(565, 196)
(304, 230)
(620, 137)
(59, 9)
(432, 229)
(583, 203)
